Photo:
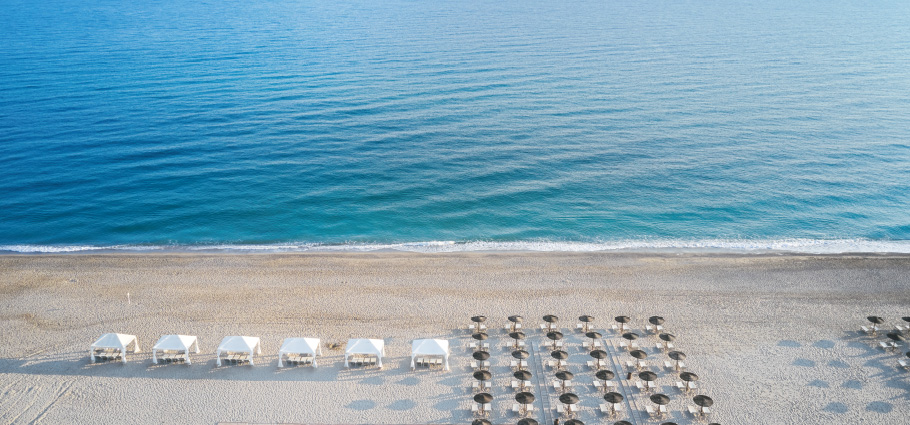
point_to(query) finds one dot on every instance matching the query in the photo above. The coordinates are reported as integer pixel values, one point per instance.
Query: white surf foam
(746, 246)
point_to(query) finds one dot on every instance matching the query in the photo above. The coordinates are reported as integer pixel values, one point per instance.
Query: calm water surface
(493, 124)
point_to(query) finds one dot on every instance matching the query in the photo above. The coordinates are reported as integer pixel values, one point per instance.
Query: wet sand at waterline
(773, 338)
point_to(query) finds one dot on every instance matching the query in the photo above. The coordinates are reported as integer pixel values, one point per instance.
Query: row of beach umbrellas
(552, 319)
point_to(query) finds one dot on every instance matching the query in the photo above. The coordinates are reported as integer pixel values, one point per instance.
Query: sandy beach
(774, 338)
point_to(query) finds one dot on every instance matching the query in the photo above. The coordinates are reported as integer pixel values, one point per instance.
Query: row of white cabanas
(250, 346)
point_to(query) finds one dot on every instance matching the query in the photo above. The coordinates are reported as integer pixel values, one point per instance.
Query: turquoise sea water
(446, 125)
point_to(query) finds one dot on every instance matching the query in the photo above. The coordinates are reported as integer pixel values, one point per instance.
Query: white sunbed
(694, 411)
(514, 363)
(552, 363)
(672, 365)
(517, 408)
(605, 408)
(904, 364)
(474, 345)
(486, 385)
(478, 365)
(598, 384)
(682, 386)
(654, 329)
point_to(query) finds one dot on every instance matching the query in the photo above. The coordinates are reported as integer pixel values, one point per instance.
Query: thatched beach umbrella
(667, 337)
(660, 399)
(677, 356)
(586, 322)
(613, 397)
(703, 401)
(554, 336)
(481, 355)
(563, 376)
(622, 423)
(574, 422)
(688, 377)
(550, 319)
(520, 355)
(598, 356)
(568, 398)
(906, 319)
(482, 375)
(631, 337)
(656, 320)
(480, 337)
(638, 354)
(604, 374)
(875, 320)
(668, 423)
(895, 336)
(481, 422)
(524, 398)
(528, 421)
(483, 399)
(623, 321)
(559, 355)
(593, 335)
(522, 375)
(515, 320)
(648, 377)
(477, 321)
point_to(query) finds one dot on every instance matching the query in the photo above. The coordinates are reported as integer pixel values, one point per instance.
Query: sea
(443, 125)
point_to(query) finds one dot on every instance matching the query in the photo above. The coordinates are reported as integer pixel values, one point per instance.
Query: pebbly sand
(774, 338)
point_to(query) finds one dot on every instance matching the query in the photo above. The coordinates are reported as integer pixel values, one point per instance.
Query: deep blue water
(506, 123)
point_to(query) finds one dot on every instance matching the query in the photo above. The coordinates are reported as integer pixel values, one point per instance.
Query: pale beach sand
(773, 338)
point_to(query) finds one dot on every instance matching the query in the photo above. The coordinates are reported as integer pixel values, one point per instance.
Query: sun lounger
(557, 384)
(552, 363)
(904, 364)
(651, 411)
(682, 386)
(672, 365)
(619, 328)
(480, 365)
(599, 385)
(520, 385)
(517, 408)
(695, 411)
(664, 346)
(573, 408)
(654, 329)
(486, 385)
(605, 408)
(514, 363)
(888, 346)
(591, 344)
(474, 345)
(630, 346)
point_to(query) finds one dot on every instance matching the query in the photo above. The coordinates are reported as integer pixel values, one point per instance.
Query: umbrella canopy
(483, 398)
(517, 335)
(622, 423)
(586, 319)
(668, 423)
(483, 375)
(876, 319)
(598, 354)
(481, 422)
(688, 376)
(522, 375)
(565, 375)
(660, 399)
(895, 336)
(656, 320)
(554, 335)
(479, 319)
(667, 337)
(480, 336)
(481, 355)
(550, 318)
(524, 397)
(638, 354)
(568, 398)
(906, 318)
(908, 354)
(516, 319)
(574, 422)
(677, 355)
(559, 355)
(703, 401)
(623, 319)
(613, 397)
(528, 421)
(647, 376)
(520, 354)
(605, 375)
(593, 335)
(631, 336)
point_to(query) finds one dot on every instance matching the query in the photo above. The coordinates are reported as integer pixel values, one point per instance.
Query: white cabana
(365, 347)
(239, 344)
(179, 344)
(298, 346)
(118, 342)
(430, 347)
